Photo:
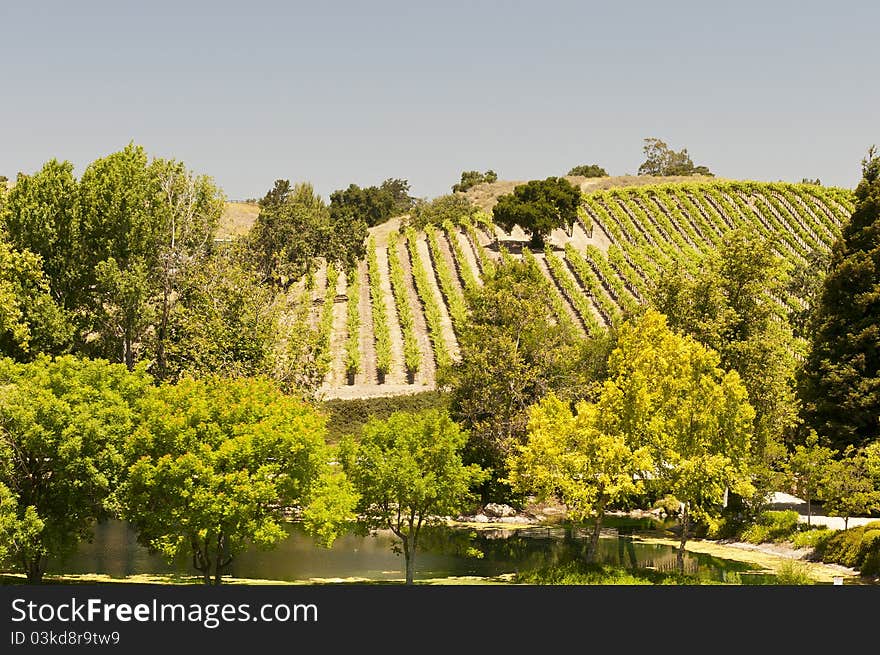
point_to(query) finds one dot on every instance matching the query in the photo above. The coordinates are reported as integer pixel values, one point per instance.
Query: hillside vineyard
(407, 301)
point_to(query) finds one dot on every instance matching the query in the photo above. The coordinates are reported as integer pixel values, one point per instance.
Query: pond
(444, 552)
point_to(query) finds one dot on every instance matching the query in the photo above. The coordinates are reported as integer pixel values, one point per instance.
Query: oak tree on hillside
(473, 178)
(661, 160)
(588, 170)
(374, 204)
(539, 207)
(841, 382)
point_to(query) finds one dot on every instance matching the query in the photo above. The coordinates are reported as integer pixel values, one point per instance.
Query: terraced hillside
(389, 326)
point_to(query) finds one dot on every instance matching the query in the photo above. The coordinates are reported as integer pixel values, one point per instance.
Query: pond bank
(769, 557)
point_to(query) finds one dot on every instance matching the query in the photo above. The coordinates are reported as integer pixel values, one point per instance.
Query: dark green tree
(841, 381)
(398, 190)
(374, 204)
(513, 352)
(473, 178)
(539, 207)
(588, 170)
(295, 227)
(368, 204)
(450, 207)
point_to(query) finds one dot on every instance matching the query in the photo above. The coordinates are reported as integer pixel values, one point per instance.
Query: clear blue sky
(340, 92)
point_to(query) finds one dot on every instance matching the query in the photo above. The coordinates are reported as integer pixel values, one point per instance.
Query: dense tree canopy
(215, 463)
(41, 216)
(588, 170)
(115, 245)
(667, 393)
(730, 305)
(451, 207)
(473, 178)
(63, 424)
(584, 460)
(409, 473)
(841, 383)
(539, 207)
(225, 322)
(31, 322)
(374, 204)
(513, 352)
(295, 228)
(660, 159)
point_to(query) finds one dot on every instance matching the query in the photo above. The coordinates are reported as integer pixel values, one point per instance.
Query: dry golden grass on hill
(237, 219)
(485, 196)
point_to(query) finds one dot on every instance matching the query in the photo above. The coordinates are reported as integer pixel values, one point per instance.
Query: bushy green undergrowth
(578, 573)
(812, 538)
(773, 526)
(348, 416)
(858, 548)
(793, 573)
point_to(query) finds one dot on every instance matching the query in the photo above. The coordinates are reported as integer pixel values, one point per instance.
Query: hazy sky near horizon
(341, 92)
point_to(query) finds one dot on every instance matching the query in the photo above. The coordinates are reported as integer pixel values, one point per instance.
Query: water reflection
(443, 552)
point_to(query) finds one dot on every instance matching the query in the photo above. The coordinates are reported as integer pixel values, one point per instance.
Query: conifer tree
(841, 382)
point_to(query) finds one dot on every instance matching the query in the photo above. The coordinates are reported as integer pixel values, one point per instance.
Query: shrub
(793, 573)
(348, 416)
(814, 539)
(581, 573)
(858, 548)
(772, 526)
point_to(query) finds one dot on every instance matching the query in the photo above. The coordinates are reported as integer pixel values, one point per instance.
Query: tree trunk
(594, 538)
(34, 570)
(223, 559)
(809, 512)
(410, 556)
(128, 351)
(161, 334)
(685, 525)
(845, 522)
